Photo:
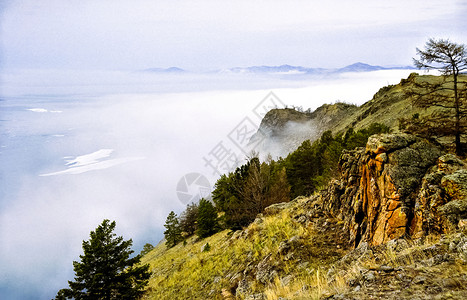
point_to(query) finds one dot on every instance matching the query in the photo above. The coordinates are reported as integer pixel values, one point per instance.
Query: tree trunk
(459, 151)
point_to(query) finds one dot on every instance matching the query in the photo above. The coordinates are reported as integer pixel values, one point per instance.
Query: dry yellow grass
(186, 272)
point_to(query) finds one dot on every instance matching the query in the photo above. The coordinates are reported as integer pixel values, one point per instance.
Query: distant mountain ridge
(165, 70)
(286, 69)
(291, 70)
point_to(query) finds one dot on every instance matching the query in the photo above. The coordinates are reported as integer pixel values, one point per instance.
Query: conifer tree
(207, 219)
(106, 270)
(172, 233)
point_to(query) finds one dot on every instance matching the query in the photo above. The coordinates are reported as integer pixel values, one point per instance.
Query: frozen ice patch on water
(88, 159)
(93, 161)
(38, 110)
(43, 110)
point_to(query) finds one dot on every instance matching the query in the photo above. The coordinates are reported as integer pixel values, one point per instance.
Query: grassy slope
(387, 106)
(185, 272)
(320, 265)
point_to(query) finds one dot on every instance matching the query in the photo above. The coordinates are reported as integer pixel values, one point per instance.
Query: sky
(84, 135)
(208, 34)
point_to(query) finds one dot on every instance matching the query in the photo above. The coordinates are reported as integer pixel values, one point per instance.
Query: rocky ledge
(398, 186)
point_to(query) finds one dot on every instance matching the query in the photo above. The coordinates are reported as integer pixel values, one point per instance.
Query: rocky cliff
(399, 186)
(402, 204)
(283, 130)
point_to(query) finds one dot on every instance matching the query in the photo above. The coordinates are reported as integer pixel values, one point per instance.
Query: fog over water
(74, 152)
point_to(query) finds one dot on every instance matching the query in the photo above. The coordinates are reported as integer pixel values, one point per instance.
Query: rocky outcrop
(282, 130)
(398, 186)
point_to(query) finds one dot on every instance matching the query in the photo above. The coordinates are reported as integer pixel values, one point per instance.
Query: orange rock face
(393, 189)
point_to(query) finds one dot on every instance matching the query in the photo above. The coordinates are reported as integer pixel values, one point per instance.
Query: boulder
(449, 163)
(455, 184)
(382, 143)
(243, 288)
(265, 271)
(276, 208)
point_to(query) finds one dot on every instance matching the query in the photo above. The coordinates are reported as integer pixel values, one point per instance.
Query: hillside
(283, 130)
(395, 217)
(392, 224)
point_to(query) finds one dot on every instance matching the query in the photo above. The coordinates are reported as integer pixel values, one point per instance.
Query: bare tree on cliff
(447, 94)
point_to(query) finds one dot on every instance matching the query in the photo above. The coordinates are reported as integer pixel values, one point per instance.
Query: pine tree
(172, 233)
(106, 270)
(207, 219)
